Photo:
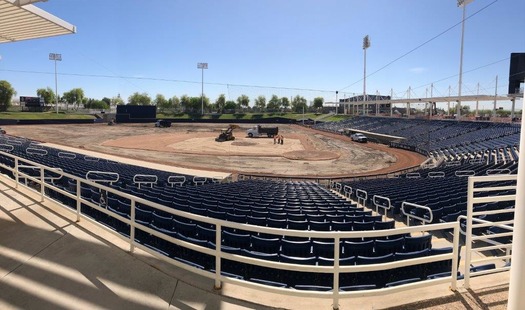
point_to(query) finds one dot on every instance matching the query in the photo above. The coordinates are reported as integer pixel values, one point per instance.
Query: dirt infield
(305, 152)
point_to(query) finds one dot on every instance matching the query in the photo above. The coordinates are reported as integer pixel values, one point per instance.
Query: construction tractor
(227, 134)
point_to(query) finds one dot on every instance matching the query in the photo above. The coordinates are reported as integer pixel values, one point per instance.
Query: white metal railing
(436, 174)
(407, 207)
(362, 197)
(347, 190)
(472, 222)
(383, 203)
(337, 237)
(147, 179)
(102, 176)
(465, 173)
(176, 180)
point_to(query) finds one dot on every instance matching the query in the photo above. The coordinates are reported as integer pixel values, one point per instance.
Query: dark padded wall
(136, 113)
(517, 72)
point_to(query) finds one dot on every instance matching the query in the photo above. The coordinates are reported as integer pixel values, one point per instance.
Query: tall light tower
(366, 44)
(56, 57)
(461, 3)
(202, 66)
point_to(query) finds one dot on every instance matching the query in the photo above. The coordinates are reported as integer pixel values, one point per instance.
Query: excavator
(227, 134)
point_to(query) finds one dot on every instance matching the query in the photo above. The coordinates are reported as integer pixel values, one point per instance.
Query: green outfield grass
(43, 115)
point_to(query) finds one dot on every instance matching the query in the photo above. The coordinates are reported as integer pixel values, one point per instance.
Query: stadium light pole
(461, 3)
(366, 44)
(56, 57)
(202, 66)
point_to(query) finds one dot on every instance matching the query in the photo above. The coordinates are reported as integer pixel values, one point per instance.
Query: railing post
(78, 201)
(218, 233)
(42, 188)
(132, 227)
(455, 250)
(468, 231)
(17, 177)
(335, 274)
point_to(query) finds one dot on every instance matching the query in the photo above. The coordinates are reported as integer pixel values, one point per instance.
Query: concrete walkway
(48, 261)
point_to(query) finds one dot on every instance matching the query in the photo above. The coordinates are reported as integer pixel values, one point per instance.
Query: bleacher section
(301, 206)
(451, 140)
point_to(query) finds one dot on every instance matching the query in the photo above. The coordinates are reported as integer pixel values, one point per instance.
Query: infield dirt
(305, 152)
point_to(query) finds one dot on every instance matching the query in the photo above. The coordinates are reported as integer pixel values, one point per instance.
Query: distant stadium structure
(516, 74)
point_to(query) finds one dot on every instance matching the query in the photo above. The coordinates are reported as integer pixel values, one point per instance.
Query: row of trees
(185, 104)
(221, 105)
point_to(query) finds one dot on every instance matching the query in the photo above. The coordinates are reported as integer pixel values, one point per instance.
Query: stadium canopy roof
(20, 20)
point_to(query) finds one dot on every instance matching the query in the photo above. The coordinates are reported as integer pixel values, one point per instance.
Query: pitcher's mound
(311, 155)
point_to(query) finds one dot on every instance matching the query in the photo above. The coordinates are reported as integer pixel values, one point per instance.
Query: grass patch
(43, 115)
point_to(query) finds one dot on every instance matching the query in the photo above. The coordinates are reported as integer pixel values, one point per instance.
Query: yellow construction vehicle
(227, 134)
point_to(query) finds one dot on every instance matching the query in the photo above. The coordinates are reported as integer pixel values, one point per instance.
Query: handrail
(347, 190)
(416, 206)
(453, 163)
(413, 175)
(376, 199)
(176, 179)
(497, 171)
(67, 155)
(436, 174)
(106, 173)
(36, 151)
(465, 173)
(471, 201)
(150, 179)
(91, 158)
(199, 180)
(362, 196)
(6, 147)
(335, 270)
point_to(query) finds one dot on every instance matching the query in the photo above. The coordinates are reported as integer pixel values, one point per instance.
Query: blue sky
(306, 47)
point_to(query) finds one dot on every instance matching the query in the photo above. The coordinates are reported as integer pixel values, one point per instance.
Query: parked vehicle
(359, 137)
(162, 123)
(259, 131)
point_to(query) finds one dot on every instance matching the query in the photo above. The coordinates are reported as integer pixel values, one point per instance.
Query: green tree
(74, 96)
(96, 104)
(243, 101)
(162, 103)
(117, 101)
(260, 103)
(285, 103)
(195, 105)
(47, 93)
(220, 103)
(298, 104)
(230, 105)
(107, 101)
(184, 102)
(273, 104)
(139, 99)
(175, 103)
(318, 103)
(6, 94)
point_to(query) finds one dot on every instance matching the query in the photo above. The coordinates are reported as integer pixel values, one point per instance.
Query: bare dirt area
(305, 152)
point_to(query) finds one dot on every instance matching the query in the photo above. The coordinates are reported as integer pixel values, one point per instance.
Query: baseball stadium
(374, 211)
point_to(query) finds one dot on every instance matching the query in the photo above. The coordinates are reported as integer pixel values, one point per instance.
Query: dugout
(136, 114)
